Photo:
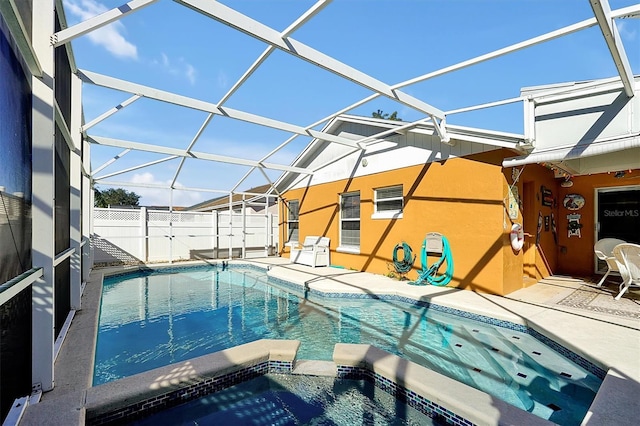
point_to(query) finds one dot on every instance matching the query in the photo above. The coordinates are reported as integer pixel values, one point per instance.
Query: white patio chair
(314, 252)
(628, 259)
(604, 251)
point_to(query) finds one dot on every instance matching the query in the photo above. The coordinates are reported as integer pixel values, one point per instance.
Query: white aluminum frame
(283, 41)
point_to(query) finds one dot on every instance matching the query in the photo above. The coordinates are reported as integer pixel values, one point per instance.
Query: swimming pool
(149, 319)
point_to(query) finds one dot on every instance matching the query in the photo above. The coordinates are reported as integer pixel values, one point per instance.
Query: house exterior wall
(462, 198)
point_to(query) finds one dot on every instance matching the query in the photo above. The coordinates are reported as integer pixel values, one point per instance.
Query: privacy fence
(133, 236)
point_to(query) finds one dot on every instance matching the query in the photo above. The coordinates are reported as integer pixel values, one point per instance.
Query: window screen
(350, 219)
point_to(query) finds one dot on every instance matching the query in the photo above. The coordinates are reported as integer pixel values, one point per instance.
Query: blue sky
(173, 48)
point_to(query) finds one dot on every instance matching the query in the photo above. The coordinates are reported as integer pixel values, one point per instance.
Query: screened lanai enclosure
(193, 104)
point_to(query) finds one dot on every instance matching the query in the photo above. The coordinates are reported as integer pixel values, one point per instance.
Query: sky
(170, 47)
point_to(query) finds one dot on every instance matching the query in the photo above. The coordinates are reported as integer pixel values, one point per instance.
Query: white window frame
(387, 214)
(345, 248)
(294, 220)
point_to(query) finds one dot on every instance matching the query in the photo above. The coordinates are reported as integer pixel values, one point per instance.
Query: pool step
(315, 368)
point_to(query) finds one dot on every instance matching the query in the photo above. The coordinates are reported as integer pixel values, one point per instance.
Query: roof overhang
(577, 151)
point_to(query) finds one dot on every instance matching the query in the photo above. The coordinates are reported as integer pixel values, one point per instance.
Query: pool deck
(612, 342)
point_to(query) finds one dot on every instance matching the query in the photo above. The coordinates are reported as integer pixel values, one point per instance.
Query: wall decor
(514, 202)
(547, 196)
(539, 228)
(574, 225)
(573, 202)
(554, 228)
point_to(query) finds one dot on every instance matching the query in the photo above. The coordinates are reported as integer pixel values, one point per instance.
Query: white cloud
(111, 36)
(181, 68)
(191, 74)
(626, 32)
(161, 196)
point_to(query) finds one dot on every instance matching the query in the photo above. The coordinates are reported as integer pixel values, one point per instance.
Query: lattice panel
(116, 214)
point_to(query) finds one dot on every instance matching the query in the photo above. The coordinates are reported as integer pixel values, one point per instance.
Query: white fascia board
(582, 92)
(575, 90)
(99, 140)
(98, 21)
(256, 29)
(570, 152)
(602, 12)
(172, 98)
(470, 134)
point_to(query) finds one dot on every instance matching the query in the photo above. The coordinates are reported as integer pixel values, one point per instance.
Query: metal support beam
(109, 113)
(84, 27)
(20, 35)
(99, 140)
(87, 213)
(140, 166)
(602, 12)
(111, 161)
(62, 125)
(188, 150)
(75, 200)
(258, 30)
(161, 95)
(626, 12)
(269, 50)
(43, 212)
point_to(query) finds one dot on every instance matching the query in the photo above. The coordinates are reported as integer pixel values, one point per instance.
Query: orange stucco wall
(465, 199)
(539, 255)
(461, 198)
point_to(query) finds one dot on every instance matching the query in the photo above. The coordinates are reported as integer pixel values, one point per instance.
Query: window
(293, 220)
(388, 203)
(350, 222)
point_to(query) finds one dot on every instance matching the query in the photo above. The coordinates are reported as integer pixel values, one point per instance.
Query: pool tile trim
(402, 394)
(147, 407)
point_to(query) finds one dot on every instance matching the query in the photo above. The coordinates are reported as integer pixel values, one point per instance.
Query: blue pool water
(287, 400)
(150, 320)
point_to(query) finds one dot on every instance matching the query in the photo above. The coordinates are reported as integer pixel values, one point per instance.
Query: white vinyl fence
(133, 236)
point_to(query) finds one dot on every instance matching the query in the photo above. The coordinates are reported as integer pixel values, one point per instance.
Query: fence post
(244, 228)
(144, 235)
(271, 250)
(230, 225)
(266, 226)
(214, 234)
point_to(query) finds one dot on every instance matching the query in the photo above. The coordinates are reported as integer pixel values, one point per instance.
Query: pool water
(293, 400)
(150, 320)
